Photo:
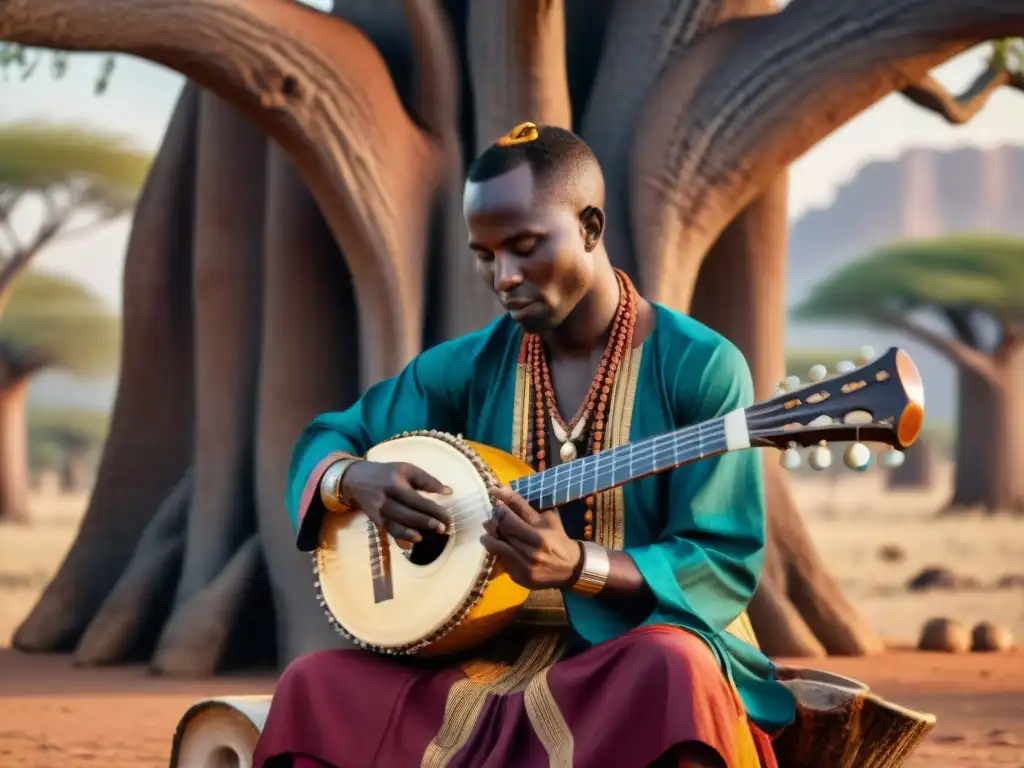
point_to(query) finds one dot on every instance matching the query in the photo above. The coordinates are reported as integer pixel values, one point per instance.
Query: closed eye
(524, 245)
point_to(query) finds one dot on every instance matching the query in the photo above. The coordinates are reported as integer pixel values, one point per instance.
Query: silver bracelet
(330, 485)
(594, 572)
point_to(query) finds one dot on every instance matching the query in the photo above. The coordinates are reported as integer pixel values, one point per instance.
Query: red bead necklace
(595, 405)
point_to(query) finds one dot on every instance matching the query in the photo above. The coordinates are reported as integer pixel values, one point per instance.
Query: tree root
(789, 634)
(126, 625)
(196, 636)
(798, 576)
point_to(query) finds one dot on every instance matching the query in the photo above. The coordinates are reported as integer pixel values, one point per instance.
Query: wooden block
(219, 731)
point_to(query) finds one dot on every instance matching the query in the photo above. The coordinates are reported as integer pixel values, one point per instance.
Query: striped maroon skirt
(622, 703)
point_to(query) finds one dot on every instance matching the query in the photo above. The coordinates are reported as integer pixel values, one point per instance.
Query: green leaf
(977, 271)
(35, 156)
(13, 55)
(54, 317)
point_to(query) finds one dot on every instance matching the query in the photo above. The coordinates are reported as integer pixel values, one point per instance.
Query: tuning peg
(792, 382)
(790, 458)
(867, 354)
(891, 458)
(845, 366)
(817, 372)
(820, 457)
(857, 457)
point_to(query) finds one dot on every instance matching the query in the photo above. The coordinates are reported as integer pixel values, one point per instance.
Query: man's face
(530, 250)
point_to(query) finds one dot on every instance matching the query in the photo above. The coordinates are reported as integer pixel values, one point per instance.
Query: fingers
(424, 481)
(412, 519)
(520, 506)
(512, 526)
(403, 536)
(429, 514)
(501, 549)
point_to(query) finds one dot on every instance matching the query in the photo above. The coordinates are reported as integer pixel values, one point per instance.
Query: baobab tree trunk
(359, 195)
(989, 473)
(308, 365)
(226, 282)
(13, 452)
(1008, 418)
(973, 473)
(990, 443)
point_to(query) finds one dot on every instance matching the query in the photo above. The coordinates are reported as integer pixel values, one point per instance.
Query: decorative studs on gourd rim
(903, 427)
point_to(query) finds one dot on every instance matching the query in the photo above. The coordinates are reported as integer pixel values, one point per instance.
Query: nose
(507, 274)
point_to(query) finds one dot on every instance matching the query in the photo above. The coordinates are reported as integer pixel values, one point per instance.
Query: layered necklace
(595, 405)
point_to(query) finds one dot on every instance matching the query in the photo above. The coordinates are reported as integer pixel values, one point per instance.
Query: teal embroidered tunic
(696, 533)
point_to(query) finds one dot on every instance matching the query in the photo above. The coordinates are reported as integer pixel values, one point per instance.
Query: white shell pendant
(567, 452)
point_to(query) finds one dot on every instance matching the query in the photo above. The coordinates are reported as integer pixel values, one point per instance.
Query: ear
(592, 226)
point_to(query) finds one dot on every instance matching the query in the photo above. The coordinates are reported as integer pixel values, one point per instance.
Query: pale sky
(141, 96)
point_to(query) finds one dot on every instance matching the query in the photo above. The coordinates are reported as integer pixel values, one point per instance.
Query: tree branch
(641, 38)
(750, 96)
(54, 220)
(959, 353)
(318, 87)
(1011, 335)
(9, 198)
(17, 365)
(960, 323)
(436, 71)
(932, 95)
(517, 65)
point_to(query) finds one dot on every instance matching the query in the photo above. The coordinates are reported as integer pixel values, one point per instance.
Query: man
(622, 657)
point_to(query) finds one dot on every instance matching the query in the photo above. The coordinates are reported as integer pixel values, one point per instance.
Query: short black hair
(556, 152)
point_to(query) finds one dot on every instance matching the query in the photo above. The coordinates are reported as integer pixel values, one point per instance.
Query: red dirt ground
(53, 715)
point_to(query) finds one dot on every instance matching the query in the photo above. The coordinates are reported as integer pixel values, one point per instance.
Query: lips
(516, 304)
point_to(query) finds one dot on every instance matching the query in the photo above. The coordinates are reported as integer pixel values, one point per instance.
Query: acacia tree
(66, 441)
(974, 284)
(695, 109)
(55, 183)
(66, 181)
(49, 322)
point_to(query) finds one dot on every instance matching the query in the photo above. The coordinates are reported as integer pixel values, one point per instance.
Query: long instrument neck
(601, 471)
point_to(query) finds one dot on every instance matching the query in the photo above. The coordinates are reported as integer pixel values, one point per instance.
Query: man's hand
(532, 546)
(389, 495)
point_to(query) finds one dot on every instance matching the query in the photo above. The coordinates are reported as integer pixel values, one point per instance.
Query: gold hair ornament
(521, 134)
